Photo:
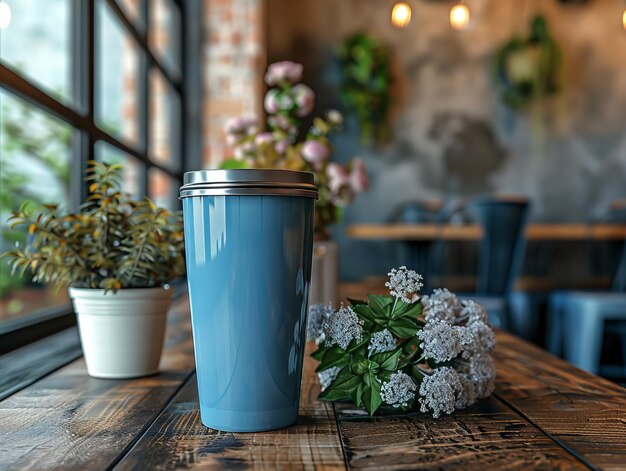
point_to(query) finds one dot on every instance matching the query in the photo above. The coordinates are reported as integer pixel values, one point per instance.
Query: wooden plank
(473, 232)
(423, 232)
(71, 421)
(26, 365)
(488, 435)
(584, 413)
(177, 439)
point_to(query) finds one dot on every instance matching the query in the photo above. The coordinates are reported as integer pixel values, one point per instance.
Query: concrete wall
(451, 135)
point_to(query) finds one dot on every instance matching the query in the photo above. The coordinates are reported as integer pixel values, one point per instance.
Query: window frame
(81, 115)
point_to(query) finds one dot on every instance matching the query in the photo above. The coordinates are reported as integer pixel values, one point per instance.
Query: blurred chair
(576, 319)
(417, 253)
(501, 251)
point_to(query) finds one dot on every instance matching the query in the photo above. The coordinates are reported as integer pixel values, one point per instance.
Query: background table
(545, 414)
(469, 232)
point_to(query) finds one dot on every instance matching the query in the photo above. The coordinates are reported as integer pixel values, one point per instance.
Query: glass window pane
(117, 84)
(132, 10)
(165, 32)
(133, 168)
(164, 121)
(35, 166)
(163, 189)
(36, 43)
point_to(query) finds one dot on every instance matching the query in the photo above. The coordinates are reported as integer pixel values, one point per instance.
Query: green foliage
(111, 243)
(528, 68)
(366, 84)
(361, 375)
(42, 140)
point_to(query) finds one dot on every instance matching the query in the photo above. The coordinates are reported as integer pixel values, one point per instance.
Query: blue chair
(417, 254)
(576, 319)
(500, 253)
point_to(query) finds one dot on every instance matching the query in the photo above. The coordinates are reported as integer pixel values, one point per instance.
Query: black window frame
(81, 115)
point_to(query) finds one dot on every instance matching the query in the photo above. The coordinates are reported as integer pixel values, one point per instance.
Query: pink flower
(358, 176)
(281, 146)
(339, 184)
(315, 153)
(271, 101)
(240, 124)
(338, 177)
(305, 100)
(263, 138)
(285, 71)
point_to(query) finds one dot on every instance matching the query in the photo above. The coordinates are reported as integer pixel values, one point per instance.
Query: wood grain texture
(28, 364)
(178, 440)
(469, 232)
(71, 421)
(489, 435)
(583, 412)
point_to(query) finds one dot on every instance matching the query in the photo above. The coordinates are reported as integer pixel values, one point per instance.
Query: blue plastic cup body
(248, 270)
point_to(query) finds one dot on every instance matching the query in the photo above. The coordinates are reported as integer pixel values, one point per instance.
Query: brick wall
(234, 62)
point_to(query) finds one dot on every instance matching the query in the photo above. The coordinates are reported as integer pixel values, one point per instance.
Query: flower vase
(324, 273)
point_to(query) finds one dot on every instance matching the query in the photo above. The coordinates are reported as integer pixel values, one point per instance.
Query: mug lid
(248, 182)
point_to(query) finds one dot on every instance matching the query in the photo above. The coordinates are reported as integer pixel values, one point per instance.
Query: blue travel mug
(248, 244)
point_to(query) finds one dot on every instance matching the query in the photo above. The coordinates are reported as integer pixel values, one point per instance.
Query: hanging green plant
(366, 84)
(528, 68)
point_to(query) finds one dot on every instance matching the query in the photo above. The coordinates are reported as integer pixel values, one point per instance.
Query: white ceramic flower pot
(324, 273)
(121, 333)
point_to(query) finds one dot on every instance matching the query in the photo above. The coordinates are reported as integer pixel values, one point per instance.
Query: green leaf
(365, 312)
(335, 356)
(360, 347)
(232, 164)
(357, 302)
(410, 345)
(380, 305)
(357, 395)
(360, 366)
(371, 394)
(407, 310)
(319, 353)
(403, 327)
(388, 360)
(341, 388)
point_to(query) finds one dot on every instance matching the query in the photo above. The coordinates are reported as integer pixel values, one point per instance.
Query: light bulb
(401, 15)
(459, 17)
(624, 19)
(5, 15)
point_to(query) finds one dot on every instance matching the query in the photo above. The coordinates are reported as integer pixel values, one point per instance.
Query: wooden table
(470, 232)
(545, 414)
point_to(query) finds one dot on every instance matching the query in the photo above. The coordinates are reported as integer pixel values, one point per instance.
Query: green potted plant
(117, 256)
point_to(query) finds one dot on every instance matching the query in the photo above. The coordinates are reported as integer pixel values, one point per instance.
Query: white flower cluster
(440, 341)
(380, 342)
(326, 377)
(341, 327)
(399, 390)
(404, 284)
(481, 371)
(454, 355)
(457, 332)
(441, 305)
(445, 390)
(318, 314)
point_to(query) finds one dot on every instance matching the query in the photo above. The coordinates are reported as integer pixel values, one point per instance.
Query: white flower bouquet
(404, 351)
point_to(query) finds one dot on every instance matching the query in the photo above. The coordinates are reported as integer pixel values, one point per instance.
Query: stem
(393, 308)
(136, 262)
